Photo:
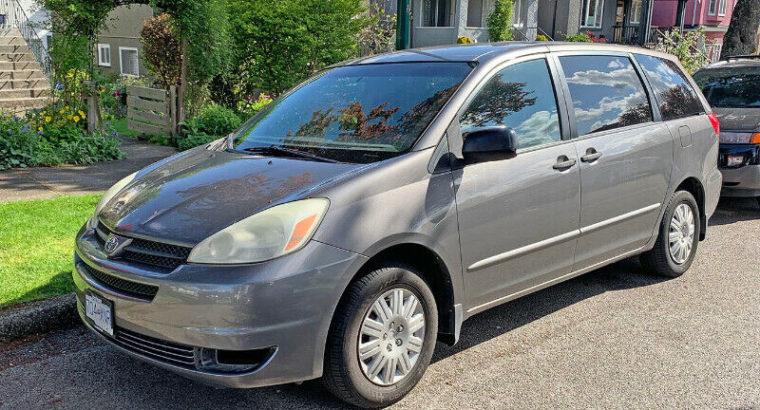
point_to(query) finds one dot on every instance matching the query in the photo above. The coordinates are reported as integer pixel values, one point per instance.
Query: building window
(711, 7)
(635, 12)
(592, 13)
(716, 53)
(722, 7)
(129, 61)
(475, 13)
(517, 15)
(104, 55)
(436, 13)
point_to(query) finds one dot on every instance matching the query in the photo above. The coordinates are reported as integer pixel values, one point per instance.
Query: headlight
(274, 232)
(107, 197)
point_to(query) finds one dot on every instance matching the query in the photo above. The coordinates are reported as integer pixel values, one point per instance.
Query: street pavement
(614, 338)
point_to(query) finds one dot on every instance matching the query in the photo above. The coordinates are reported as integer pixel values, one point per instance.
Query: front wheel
(677, 239)
(382, 337)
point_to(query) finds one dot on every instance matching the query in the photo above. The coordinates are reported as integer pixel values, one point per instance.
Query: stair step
(23, 84)
(18, 66)
(21, 104)
(25, 93)
(14, 48)
(16, 57)
(12, 41)
(30, 74)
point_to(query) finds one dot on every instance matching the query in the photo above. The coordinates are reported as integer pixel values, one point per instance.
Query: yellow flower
(102, 90)
(68, 117)
(43, 113)
(81, 114)
(40, 128)
(48, 119)
(66, 108)
(76, 119)
(62, 111)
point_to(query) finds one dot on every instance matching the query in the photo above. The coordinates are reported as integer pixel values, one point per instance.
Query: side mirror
(492, 143)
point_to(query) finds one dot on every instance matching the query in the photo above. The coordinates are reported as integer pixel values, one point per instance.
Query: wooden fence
(152, 111)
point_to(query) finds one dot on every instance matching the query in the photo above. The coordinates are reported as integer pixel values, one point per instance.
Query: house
(712, 15)
(119, 49)
(616, 21)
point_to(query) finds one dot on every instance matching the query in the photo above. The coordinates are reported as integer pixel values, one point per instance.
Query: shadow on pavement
(732, 210)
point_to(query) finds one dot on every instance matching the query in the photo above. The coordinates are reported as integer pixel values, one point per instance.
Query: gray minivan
(371, 210)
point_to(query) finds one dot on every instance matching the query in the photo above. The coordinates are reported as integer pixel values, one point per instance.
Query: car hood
(200, 192)
(738, 119)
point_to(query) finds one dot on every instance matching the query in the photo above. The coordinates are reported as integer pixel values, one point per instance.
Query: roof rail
(742, 57)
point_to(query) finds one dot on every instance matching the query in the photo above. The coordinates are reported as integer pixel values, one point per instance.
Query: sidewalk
(39, 183)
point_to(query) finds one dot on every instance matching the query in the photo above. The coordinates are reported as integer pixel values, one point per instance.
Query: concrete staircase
(23, 84)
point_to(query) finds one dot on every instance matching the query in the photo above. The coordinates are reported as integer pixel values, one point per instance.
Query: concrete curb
(39, 316)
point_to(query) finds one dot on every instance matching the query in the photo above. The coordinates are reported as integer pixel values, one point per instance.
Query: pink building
(713, 15)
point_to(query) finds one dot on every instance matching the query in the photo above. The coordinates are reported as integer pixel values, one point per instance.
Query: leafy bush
(162, 52)
(213, 122)
(578, 38)
(500, 21)
(541, 37)
(464, 40)
(251, 105)
(377, 36)
(52, 137)
(685, 46)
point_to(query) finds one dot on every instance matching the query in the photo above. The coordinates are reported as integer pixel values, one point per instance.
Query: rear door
(518, 217)
(625, 155)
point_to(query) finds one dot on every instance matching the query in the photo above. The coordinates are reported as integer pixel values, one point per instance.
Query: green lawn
(121, 127)
(37, 246)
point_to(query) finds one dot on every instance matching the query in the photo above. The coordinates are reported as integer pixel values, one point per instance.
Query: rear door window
(673, 92)
(607, 92)
(520, 96)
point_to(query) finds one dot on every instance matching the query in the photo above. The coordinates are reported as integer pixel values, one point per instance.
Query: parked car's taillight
(715, 123)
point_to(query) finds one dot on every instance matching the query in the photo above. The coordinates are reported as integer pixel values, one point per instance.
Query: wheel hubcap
(681, 235)
(391, 337)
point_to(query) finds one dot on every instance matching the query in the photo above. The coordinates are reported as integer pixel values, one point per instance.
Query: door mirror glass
(498, 142)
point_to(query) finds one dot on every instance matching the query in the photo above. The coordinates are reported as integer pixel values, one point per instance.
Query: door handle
(591, 155)
(563, 162)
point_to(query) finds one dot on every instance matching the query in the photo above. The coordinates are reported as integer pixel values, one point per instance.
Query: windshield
(362, 113)
(730, 88)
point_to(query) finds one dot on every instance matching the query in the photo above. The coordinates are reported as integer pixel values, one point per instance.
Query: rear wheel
(382, 337)
(677, 239)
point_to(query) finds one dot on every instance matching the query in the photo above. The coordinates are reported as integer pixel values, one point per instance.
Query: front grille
(160, 255)
(168, 352)
(122, 286)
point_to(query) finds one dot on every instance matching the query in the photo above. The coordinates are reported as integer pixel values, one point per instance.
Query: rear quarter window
(673, 92)
(607, 92)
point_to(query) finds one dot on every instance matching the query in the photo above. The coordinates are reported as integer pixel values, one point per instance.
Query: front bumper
(284, 305)
(742, 180)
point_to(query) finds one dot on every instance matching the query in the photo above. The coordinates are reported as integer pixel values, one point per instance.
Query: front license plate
(100, 311)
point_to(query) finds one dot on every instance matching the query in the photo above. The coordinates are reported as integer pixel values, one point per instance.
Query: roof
(735, 62)
(485, 51)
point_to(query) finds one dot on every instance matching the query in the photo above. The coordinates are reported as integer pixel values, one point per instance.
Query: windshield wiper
(275, 150)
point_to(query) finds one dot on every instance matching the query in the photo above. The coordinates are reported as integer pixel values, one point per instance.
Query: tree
(162, 53)
(743, 31)
(279, 43)
(500, 21)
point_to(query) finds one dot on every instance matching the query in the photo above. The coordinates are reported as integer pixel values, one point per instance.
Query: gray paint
(123, 27)
(501, 229)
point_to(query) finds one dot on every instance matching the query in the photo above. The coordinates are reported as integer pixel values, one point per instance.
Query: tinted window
(359, 113)
(673, 93)
(520, 96)
(606, 91)
(730, 88)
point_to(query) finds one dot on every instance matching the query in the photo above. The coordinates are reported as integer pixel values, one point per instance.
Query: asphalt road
(614, 338)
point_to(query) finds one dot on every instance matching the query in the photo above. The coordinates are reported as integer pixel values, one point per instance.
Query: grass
(121, 127)
(37, 246)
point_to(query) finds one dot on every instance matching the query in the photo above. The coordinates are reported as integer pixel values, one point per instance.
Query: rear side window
(675, 96)
(606, 91)
(520, 96)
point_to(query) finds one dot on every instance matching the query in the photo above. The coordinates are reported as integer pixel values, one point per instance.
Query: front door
(518, 217)
(625, 157)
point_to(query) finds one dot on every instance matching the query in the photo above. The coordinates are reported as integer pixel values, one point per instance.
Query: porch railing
(12, 15)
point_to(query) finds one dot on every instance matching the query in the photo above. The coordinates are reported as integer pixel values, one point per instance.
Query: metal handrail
(15, 17)
(545, 34)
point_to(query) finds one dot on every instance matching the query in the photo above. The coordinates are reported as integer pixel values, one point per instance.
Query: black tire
(343, 375)
(659, 259)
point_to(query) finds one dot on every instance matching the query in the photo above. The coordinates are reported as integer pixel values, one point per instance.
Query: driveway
(613, 338)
